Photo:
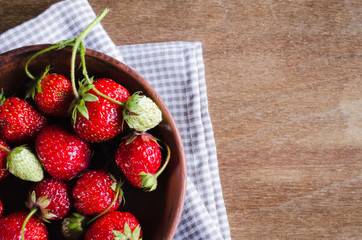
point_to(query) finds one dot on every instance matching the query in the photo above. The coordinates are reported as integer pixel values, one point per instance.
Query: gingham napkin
(176, 71)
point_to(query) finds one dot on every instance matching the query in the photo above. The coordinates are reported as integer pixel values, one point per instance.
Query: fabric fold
(61, 21)
(176, 71)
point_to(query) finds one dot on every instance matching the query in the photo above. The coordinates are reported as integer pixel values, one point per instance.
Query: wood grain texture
(285, 98)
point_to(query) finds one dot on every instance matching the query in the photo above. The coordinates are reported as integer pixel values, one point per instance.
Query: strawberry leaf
(82, 109)
(88, 97)
(87, 88)
(48, 215)
(30, 93)
(43, 201)
(127, 233)
(114, 186)
(127, 230)
(118, 235)
(35, 86)
(136, 232)
(2, 97)
(74, 114)
(33, 196)
(73, 227)
(131, 138)
(148, 181)
(77, 215)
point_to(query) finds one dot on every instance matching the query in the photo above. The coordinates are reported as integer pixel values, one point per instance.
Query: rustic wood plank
(284, 87)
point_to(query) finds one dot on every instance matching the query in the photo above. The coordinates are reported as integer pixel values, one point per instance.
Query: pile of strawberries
(53, 137)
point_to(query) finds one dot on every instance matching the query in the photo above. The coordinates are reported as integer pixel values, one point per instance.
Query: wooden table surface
(285, 99)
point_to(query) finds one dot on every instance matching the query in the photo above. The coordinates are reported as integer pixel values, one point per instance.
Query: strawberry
(100, 118)
(4, 152)
(53, 95)
(95, 192)
(139, 158)
(115, 226)
(141, 113)
(62, 153)
(24, 164)
(11, 227)
(73, 227)
(20, 122)
(51, 197)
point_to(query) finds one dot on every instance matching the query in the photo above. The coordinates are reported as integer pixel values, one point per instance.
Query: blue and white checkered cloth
(176, 71)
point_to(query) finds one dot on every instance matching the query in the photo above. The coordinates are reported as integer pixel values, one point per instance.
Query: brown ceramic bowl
(160, 211)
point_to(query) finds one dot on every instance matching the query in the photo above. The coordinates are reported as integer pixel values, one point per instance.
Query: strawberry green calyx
(90, 79)
(144, 135)
(141, 113)
(25, 165)
(2, 97)
(127, 233)
(78, 104)
(148, 180)
(40, 203)
(73, 227)
(35, 86)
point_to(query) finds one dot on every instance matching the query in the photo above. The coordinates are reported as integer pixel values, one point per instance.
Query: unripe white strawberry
(25, 165)
(141, 113)
(73, 227)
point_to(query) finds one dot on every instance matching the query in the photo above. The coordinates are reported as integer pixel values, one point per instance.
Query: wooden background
(285, 98)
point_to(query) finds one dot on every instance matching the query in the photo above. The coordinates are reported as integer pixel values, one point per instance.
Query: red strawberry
(4, 152)
(105, 120)
(53, 95)
(139, 158)
(95, 191)
(115, 225)
(20, 122)
(62, 153)
(1, 208)
(11, 225)
(51, 197)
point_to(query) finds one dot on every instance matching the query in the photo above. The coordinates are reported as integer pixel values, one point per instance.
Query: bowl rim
(153, 95)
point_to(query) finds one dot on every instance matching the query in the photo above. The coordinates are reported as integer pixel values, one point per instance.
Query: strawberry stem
(5, 148)
(62, 44)
(85, 74)
(84, 68)
(166, 161)
(78, 41)
(148, 180)
(26, 221)
(118, 192)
